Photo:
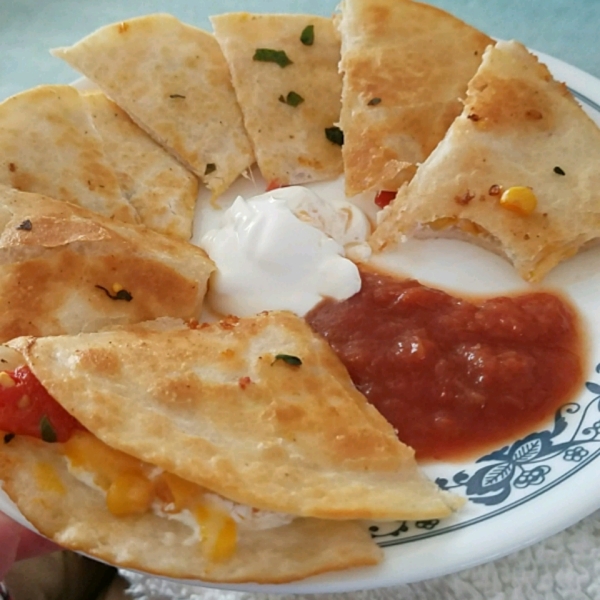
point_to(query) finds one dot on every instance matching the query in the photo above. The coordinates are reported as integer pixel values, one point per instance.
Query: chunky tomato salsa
(26, 408)
(454, 376)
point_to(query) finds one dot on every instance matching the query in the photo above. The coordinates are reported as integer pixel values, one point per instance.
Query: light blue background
(566, 29)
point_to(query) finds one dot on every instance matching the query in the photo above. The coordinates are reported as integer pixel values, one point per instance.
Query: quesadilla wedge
(406, 65)
(48, 145)
(67, 270)
(173, 81)
(284, 70)
(516, 173)
(259, 410)
(185, 533)
(162, 190)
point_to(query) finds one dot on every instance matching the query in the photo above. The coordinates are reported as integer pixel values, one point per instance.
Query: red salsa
(26, 408)
(453, 376)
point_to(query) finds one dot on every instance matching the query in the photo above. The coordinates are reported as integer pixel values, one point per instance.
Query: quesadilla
(406, 65)
(173, 81)
(516, 173)
(259, 410)
(48, 145)
(284, 70)
(187, 533)
(162, 190)
(67, 270)
(201, 451)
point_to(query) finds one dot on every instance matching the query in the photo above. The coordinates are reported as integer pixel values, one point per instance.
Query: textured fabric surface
(563, 567)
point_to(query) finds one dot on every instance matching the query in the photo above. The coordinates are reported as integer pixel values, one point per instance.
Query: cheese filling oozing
(133, 487)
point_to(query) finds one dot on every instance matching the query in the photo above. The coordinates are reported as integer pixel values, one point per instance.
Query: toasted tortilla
(54, 256)
(290, 143)
(406, 66)
(162, 190)
(74, 515)
(173, 81)
(517, 126)
(48, 145)
(233, 418)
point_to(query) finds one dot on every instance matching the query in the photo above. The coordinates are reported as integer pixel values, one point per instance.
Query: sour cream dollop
(277, 251)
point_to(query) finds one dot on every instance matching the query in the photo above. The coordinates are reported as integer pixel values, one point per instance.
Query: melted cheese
(133, 487)
(48, 479)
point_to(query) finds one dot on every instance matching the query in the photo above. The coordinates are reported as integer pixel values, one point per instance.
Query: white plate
(532, 488)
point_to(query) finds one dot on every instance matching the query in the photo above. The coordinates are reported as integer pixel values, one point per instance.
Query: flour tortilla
(518, 124)
(162, 190)
(173, 81)
(298, 440)
(48, 145)
(54, 254)
(290, 142)
(75, 516)
(412, 62)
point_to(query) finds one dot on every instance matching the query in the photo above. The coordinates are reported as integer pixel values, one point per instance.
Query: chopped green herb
(275, 56)
(292, 99)
(26, 225)
(294, 361)
(8, 437)
(374, 101)
(559, 171)
(176, 96)
(210, 168)
(335, 135)
(120, 295)
(307, 37)
(47, 431)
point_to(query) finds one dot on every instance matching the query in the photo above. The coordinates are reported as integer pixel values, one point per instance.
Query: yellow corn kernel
(442, 223)
(6, 381)
(129, 494)
(219, 532)
(179, 492)
(519, 199)
(116, 288)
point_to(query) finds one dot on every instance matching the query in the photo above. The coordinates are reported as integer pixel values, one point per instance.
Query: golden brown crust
(518, 124)
(161, 190)
(414, 61)
(49, 145)
(299, 440)
(75, 516)
(53, 255)
(290, 142)
(173, 81)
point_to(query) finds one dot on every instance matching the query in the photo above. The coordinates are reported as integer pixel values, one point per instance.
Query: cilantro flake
(47, 431)
(120, 295)
(289, 359)
(307, 37)
(278, 57)
(292, 99)
(335, 135)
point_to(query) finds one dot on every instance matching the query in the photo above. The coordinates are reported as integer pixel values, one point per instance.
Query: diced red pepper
(384, 198)
(24, 405)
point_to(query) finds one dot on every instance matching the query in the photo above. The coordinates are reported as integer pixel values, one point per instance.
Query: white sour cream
(284, 250)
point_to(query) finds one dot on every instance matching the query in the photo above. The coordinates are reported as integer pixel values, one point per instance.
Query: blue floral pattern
(516, 473)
